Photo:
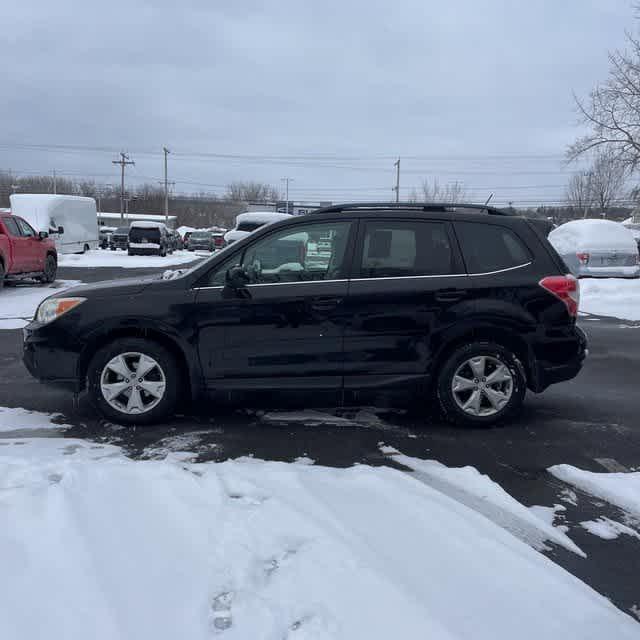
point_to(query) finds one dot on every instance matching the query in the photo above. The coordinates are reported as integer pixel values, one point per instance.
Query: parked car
(247, 223)
(468, 301)
(597, 248)
(119, 239)
(25, 253)
(149, 238)
(201, 240)
(75, 215)
(104, 236)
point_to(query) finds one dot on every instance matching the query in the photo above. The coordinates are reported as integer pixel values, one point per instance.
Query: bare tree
(578, 194)
(452, 192)
(598, 187)
(252, 192)
(608, 177)
(612, 110)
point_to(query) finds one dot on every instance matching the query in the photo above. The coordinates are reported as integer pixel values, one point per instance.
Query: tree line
(196, 210)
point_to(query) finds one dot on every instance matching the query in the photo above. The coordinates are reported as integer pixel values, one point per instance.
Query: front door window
(307, 253)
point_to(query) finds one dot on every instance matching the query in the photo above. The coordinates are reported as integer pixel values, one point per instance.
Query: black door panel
(278, 330)
(393, 324)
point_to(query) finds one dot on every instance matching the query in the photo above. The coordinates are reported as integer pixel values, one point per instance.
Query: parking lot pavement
(591, 423)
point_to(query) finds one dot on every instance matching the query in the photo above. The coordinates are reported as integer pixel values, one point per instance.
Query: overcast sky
(327, 92)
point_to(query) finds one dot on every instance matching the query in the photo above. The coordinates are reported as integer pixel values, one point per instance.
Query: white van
(250, 221)
(72, 221)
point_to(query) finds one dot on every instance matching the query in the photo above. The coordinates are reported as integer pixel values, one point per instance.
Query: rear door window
(490, 247)
(405, 248)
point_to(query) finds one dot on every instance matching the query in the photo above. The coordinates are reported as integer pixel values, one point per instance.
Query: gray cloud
(365, 79)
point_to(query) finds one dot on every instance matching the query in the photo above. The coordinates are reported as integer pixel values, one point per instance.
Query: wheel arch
(504, 335)
(190, 375)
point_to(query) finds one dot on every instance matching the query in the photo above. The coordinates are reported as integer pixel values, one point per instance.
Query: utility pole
(286, 182)
(55, 182)
(396, 164)
(123, 162)
(166, 187)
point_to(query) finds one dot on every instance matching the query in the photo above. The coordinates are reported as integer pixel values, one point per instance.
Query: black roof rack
(414, 206)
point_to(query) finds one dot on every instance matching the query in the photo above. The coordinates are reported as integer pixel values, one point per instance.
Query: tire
(50, 269)
(129, 253)
(164, 375)
(163, 252)
(498, 401)
(112, 248)
(85, 248)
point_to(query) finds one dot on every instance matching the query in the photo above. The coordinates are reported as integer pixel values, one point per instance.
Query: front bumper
(47, 363)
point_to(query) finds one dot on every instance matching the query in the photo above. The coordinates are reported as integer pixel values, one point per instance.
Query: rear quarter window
(490, 247)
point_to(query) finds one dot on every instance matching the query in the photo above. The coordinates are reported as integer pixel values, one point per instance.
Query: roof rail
(415, 206)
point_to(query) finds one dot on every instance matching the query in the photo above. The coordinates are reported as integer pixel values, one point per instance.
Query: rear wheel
(134, 381)
(85, 248)
(481, 384)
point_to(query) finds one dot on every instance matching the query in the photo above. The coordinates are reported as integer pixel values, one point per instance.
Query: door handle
(325, 304)
(451, 295)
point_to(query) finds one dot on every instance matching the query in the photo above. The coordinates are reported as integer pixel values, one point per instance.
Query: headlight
(53, 308)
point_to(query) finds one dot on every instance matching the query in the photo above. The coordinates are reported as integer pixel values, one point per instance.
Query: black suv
(343, 305)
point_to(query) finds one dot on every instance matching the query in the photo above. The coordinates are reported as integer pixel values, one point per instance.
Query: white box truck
(72, 221)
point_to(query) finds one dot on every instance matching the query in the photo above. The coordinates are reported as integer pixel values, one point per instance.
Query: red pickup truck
(25, 253)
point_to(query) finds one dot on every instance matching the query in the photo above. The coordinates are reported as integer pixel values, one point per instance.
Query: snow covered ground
(18, 304)
(613, 297)
(95, 545)
(105, 258)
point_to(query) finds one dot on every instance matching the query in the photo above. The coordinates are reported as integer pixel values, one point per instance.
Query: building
(113, 219)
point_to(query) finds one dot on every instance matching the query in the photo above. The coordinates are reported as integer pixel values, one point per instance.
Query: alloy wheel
(132, 383)
(482, 386)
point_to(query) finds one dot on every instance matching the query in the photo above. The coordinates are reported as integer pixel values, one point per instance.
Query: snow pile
(105, 258)
(185, 229)
(147, 224)
(608, 529)
(94, 545)
(620, 489)
(18, 304)
(262, 217)
(469, 487)
(592, 235)
(614, 297)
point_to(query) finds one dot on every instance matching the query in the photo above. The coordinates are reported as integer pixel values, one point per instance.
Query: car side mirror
(43, 235)
(60, 230)
(237, 277)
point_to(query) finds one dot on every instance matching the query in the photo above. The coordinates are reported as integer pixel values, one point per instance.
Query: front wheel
(134, 381)
(481, 384)
(50, 269)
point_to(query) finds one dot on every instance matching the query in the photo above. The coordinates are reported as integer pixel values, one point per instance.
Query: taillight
(566, 288)
(584, 258)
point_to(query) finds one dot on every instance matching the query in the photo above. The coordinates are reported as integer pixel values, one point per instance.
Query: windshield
(201, 235)
(121, 231)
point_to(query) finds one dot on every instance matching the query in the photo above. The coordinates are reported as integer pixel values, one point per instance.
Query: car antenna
(488, 199)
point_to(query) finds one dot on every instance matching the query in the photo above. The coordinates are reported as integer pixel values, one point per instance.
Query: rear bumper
(609, 272)
(138, 251)
(546, 371)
